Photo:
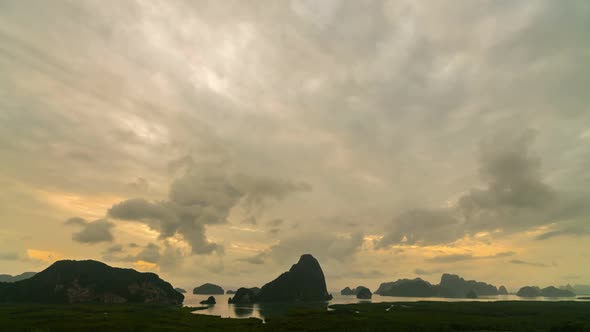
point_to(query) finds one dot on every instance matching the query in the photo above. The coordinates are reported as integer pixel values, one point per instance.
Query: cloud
(419, 271)
(370, 274)
(150, 254)
(465, 257)
(521, 262)
(202, 197)
(140, 184)
(568, 231)
(250, 220)
(512, 174)
(165, 258)
(91, 232)
(424, 226)
(9, 256)
(45, 256)
(114, 249)
(257, 189)
(257, 259)
(76, 221)
(515, 198)
(326, 92)
(276, 222)
(324, 246)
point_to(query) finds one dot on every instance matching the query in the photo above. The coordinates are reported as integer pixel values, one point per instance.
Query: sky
(214, 141)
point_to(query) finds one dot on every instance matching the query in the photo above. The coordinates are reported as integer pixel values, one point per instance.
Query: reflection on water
(242, 310)
(263, 311)
(258, 310)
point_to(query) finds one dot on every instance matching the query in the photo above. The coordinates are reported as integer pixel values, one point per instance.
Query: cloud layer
(92, 232)
(191, 128)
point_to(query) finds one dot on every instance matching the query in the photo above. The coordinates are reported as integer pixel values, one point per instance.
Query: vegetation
(123, 317)
(407, 316)
(89, 281)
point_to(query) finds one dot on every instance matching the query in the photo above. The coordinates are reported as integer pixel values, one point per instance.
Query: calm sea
(262, 311)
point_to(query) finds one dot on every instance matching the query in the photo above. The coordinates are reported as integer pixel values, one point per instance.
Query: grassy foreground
(411, 316)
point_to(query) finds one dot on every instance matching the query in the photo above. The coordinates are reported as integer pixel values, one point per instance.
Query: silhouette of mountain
(452, 285)
(582, 289)
(408, 288)
(244, 295)
(577, 289)
(208, 289)
(353, 291)
(180, 290)
(363, 292)
(471, 294)
(209, 300)
(22, 276)
(502, 291)
(556, 292)
(529, 291)
(534, 291)
(90, 281)
(303, 282)
(347, 291)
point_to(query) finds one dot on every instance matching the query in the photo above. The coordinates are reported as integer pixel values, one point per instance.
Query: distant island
(534, 291)
(502, 290)
(89, 281)
(407, 288)
(363, 293)
(209, 300)
(354, 291)
(347, 291)
(304, 281)
(577, 289)
(450, 286)
(208, 289)
(244, 295)
(22, 276)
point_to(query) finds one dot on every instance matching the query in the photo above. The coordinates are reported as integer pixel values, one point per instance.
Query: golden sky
(219, 142)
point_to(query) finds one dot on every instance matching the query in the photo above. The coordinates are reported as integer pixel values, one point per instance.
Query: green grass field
(420, 316)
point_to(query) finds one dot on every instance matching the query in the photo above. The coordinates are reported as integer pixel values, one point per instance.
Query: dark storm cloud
(424, 226)
(151, 253)
(203, 197)
(515, 198)
(512, 174)
(91, 232)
